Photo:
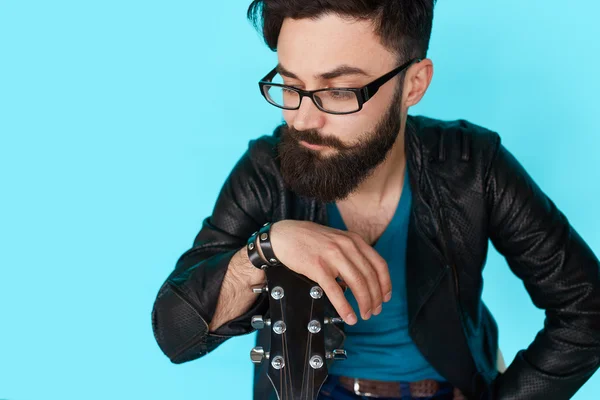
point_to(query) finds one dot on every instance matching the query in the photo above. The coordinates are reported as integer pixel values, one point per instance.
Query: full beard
(334, 177)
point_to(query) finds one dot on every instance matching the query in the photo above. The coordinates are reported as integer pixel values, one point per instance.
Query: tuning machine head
(258, 354)
(333, 320)
(259, 322)
(337, 354)
(260, 289)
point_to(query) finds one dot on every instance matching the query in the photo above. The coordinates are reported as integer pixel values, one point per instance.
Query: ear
(417, 80)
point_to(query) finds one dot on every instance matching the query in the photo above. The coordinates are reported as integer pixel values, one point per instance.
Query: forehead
(309, 46)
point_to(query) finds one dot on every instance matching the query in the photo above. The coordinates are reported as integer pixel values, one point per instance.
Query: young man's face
(356, 142)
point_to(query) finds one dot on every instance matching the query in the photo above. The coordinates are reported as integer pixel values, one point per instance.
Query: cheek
(349, 127)
(363, 119)
(288, 116)
(378, 104)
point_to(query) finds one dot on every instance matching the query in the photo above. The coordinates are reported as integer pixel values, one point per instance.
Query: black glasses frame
(363, 94)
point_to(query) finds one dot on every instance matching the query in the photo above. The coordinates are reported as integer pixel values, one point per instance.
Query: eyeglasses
(330, 100)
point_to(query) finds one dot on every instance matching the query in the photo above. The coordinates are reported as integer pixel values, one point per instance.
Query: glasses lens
(282, 97)
(337, 100)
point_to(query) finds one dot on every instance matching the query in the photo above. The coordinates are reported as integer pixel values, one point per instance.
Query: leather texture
(468, 189)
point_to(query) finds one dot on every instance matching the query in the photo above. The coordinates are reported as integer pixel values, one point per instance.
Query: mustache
(312, 136)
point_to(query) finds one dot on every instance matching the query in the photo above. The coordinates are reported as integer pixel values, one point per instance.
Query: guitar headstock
(297, 354)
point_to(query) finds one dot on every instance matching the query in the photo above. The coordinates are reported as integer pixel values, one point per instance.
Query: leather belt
(372, 388)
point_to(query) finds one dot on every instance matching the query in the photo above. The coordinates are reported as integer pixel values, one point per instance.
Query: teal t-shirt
(380, 348)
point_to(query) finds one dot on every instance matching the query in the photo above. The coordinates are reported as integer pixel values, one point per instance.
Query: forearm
(236, 295)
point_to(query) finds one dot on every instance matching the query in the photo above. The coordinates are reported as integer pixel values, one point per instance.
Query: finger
(380, 266)
(354, 253)
(336, 260)
(342, 284)
(334, 293)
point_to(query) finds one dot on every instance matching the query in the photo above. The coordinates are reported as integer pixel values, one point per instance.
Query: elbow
(178, 329)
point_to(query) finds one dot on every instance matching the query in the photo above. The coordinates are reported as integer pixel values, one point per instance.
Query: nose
(308, 116)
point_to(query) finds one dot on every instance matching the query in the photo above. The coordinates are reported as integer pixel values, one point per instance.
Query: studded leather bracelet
(264, 240)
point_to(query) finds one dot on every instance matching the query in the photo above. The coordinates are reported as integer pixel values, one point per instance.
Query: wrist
(265, 246)
(245, 272)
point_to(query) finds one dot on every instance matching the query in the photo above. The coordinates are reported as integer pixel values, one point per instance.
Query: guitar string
(305, 366)
(307, 353)
(312, 380)
(289, 369)
(311, 376)
(286, 371)
(282, 382)
(311, 371)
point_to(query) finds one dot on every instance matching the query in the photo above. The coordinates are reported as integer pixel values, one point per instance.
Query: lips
(312, 146)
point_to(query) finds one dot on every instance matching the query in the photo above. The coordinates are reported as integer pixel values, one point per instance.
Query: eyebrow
(341, 70)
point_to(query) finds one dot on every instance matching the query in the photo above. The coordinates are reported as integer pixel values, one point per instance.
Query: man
(359, 191)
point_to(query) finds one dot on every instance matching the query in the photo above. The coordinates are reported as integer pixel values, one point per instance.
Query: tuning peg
(260, 289)
(316, 292)
(314, 326)
(336, 354)
(258, 322)
(316, 361)
(257, 354)
(277, 293)
(333, 320)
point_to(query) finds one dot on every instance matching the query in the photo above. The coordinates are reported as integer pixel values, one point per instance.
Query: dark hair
(404, 26)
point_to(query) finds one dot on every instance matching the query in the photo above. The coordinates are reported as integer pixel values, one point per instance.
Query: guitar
(297, 353)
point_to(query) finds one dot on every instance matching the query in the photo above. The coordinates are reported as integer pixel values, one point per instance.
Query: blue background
(120, 120)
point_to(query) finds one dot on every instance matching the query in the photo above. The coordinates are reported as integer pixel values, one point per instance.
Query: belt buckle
(358, 392)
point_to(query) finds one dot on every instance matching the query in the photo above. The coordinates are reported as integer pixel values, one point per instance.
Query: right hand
(322, 254)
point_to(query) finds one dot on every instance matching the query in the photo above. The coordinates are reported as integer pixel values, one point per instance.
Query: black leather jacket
(467, 188)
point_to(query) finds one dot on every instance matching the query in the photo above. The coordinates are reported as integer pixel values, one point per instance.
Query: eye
(341, 94)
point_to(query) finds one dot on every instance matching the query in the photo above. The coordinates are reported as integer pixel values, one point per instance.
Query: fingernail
(350, 319)
(377, 310)
(368, 314)
(388, 296)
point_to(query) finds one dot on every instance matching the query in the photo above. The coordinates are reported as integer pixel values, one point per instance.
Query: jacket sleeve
(561, 275)
(186, 301)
